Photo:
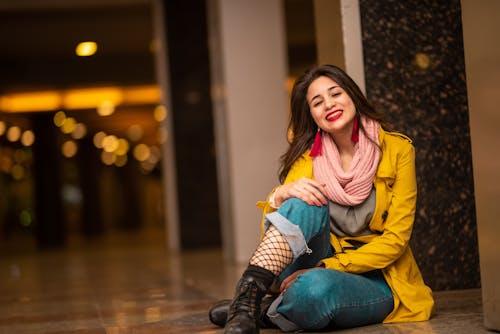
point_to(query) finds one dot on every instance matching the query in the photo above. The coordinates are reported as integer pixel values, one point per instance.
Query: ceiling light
(86, 49)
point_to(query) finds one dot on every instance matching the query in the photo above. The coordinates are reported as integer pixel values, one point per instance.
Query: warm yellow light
(35, 101)
(69, 149)
(155, 155)
(86, 49)
(85, 98)
(2, 127)
(423, 60)
(106, 108)
(68, 125)
(135, 132)
(141, 95)
(98, 138)
(160, 113)
(121, 160)
(28, 138)
(91, 98)
(59, 118)
(122, 147)
(110, 143)
(108, 158)
(79, 132)
(13, 133)
(142, 152)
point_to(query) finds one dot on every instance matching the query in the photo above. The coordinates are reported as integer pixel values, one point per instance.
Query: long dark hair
(302, 126)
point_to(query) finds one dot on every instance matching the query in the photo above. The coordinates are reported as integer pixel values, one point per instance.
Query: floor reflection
(130, 284)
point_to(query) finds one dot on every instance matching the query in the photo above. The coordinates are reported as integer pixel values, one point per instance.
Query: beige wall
(481, 25)
(249, 71)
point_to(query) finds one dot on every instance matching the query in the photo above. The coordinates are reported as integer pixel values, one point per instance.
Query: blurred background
(159, 124)
(82, 122)
(165, 120)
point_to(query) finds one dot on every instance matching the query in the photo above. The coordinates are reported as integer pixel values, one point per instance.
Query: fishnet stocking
(273, 252)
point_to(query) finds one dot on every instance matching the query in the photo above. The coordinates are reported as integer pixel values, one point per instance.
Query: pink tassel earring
(317, 145)
(355, 130)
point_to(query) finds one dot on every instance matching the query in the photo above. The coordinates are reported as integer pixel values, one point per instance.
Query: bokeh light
(79, 132)
(422, 60)
(69, 148)
(28, 138)
(110, 143)
(147, 167)
(123, 147)
(121, 160)
(2, 127)
(142, 152)
(155, 155)
(86, 49)
(98, 138)
(108, 158)
(13, 133)
(160, 113)
(68, 125)
(106, 108)
(59, 118)
(135, 132)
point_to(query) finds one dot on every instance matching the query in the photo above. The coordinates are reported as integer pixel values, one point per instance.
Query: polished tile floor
(130, 284)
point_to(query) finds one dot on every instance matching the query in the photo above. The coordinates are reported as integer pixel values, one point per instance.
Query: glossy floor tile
(130, 284)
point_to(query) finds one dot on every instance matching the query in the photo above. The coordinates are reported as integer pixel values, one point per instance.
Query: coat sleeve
(382, 250)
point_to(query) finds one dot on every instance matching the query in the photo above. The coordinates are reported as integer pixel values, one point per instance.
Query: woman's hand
(290, 279)
(308, 190)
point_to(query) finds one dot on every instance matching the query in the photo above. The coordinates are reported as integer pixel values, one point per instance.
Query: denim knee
(324, 298)
(311, 219)
(309, 291)
(299, 222)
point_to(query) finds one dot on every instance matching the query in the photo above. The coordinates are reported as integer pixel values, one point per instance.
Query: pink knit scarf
(350, 187)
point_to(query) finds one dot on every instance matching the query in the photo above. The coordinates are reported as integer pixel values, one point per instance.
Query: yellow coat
(388, 248)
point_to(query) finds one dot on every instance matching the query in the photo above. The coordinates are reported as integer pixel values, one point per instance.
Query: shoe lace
(246, 301)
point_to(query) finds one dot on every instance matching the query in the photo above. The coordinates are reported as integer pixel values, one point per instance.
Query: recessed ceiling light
(86, 49)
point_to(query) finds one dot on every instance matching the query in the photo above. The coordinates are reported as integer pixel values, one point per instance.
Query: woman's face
(331, 107)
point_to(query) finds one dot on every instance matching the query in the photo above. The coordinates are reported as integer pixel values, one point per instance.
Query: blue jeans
(322, 298)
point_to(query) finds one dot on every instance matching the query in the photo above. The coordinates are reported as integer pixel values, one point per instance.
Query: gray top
(352, 220)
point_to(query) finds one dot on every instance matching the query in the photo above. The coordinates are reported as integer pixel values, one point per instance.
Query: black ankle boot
(219, 310)
(244, 311)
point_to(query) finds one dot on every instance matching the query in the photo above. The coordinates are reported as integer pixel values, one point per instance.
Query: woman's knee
(312, 286)
(304, 301)
(300, 213)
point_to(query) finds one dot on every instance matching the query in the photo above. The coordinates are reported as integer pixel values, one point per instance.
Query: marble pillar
(415, 71)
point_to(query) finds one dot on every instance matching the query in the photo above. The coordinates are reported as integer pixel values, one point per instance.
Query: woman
(337, 229)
